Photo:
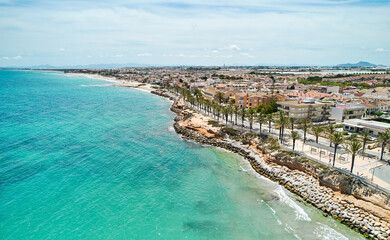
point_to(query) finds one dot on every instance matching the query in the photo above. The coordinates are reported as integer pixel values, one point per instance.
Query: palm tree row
(215, 108)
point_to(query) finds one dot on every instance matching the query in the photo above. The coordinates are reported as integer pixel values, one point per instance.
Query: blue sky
(199, 32)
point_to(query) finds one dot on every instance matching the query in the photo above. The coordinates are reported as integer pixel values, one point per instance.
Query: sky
(198, 32)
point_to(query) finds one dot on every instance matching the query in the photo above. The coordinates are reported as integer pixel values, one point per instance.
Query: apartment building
(252, 100)
(308, 108)
(342, 112)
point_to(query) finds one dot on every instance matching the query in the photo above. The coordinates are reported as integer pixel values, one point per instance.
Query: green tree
(383, 139)
(230, 110)
(317, 130)
(242, 114)
(282, 121)
(305, 124)
(354, 147)
(294, 135)
(366, 136)
(251, 114)
(337, 139)
(225, 111)
(219, 97)
(269, 118)
(236, 109)
(292, 122)
(197, 93)
(261, 119)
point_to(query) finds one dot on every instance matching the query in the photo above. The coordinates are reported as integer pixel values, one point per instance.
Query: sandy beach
(118, 82)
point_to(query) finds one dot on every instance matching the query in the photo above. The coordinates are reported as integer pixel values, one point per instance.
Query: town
(337, 116)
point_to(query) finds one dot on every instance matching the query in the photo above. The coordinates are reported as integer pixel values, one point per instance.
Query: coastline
(345, 209)
(117, 82)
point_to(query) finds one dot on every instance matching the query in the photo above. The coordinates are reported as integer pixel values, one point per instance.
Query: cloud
(282, 31)
(181, 55)
(234, 47)
(247, 55)
(6, 58)
(144, 55)
(17, 57)
(62, 49)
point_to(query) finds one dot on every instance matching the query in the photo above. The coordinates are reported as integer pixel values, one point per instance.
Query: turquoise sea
(80, 159)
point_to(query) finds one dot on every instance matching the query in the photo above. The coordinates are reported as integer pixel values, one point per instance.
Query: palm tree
(235, 110)
(282, 122)
(354, 147)
(305, 123)
(270, 118)
(219, 97)
(218, 109)
(366, 136)
(330, 130)
(225, 111)
(242, 114)
(294, 136)
(261, 120)
(383, 139)
(336, 138)
(197, 93)
(230, 110)
(251, 114)
(292, 121)
(317, 130)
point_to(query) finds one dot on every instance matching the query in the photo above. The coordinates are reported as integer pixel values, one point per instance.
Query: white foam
(327, 233)
(299, 212)
(243, 169)
(292, 231)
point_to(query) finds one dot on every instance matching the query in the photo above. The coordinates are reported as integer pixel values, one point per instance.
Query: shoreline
(344, 208)
(117, 82)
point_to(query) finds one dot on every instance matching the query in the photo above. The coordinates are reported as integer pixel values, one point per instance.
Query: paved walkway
(362, 165)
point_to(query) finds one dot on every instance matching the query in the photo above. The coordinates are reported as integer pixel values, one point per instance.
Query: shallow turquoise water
(83, 160)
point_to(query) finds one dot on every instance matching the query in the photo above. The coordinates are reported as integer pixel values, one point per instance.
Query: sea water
(80, 159)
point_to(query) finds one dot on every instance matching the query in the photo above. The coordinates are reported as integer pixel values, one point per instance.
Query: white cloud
(17, 57)
(144, 55)
(119, 56)
(182, 55)
(247, 55)
(215, 51)
(379, 50)
(6, 58)
(234, 47)
(89, 56)
(62, 49)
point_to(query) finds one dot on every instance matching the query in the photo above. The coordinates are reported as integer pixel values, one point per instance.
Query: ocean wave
(292, 231)
(327, 233)
(299, 212)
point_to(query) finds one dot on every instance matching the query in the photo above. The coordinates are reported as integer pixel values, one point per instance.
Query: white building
(358, 125)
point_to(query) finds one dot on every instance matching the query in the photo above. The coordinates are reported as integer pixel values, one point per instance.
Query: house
(252, 100)
(347, 111)
(307, 108)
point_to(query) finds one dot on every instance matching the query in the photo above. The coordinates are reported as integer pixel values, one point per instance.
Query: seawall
(337, 195)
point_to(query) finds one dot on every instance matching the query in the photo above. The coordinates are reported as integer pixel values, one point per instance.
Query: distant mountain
(359, 64)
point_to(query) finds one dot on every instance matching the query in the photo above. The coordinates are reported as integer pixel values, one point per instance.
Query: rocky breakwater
(162, 93)
(372, 221)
